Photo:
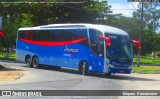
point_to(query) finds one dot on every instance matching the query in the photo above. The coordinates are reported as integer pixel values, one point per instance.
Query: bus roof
(102, 28)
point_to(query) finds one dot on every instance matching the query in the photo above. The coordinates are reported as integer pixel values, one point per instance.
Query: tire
(83, 68)
(35, 63)
(28, 62)
(108, 74)
(57, 67)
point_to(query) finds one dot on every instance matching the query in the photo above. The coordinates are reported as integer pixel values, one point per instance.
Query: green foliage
(132, 26)
(150, 15)
(128, 24)
(35, 13)
(81, 11)
(12, 56)
(149, 42)
(147, 60)
(146, 69)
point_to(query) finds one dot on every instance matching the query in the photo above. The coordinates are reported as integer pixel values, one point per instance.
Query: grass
(12, 56)
(147, 60)
(146, 69)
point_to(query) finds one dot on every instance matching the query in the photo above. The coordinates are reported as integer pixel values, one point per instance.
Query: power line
(133, 6)
(127, 9)
(47, 2)
(123, 9)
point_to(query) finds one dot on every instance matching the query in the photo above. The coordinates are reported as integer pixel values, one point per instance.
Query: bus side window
(96, 44)
(82, 33)
(21, 35)
(45, 35)
(65, 35)
(35, 35)
(27, 34)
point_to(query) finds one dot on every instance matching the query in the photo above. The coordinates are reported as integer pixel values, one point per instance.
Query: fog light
(130, 67)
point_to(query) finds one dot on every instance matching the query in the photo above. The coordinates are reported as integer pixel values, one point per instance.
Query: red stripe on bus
(45, 43)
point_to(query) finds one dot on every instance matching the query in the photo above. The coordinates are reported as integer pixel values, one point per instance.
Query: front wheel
(108, 74)
(35, 62)
(83, 68)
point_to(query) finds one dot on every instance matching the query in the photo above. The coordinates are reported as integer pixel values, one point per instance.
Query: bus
(85, 47)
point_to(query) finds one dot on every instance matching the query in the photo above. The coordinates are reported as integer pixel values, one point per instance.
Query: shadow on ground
(129, 77)
(7, 68)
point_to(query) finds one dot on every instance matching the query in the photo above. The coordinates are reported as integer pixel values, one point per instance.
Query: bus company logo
(6, 93)
(70, 50)
(69, 55)
(21, 93)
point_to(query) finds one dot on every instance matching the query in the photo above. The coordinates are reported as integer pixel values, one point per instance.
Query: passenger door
(97, 48)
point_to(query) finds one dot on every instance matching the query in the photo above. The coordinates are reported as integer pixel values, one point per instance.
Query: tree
(151, 15)
(127, 24)
(23, 14)
(151, 24)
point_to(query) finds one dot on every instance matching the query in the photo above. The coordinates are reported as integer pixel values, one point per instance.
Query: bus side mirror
(137, 43)
(107, 40)
(1, 33)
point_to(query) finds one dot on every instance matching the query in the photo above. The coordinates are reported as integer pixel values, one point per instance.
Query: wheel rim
(84, 68)
(35, 62)
(28, 62)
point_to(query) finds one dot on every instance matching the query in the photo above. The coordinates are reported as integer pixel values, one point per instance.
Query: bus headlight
(110, 65)
(130, 67)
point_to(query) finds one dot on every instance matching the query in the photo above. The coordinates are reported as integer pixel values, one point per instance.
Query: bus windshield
(120, 49)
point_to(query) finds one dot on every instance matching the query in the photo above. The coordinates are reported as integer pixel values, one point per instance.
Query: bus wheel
(108, 74)
(35, 62)
(57, 67)
(28, 62)
(83, 68)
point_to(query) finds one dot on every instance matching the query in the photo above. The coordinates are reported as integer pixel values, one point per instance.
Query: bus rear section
(53, 47)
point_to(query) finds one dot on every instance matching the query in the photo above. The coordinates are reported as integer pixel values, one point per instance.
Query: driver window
(96, 43)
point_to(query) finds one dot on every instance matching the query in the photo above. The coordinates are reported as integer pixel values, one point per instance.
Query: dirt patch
(9, 74)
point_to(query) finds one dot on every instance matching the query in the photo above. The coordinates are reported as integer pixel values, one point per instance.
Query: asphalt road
(68, 79)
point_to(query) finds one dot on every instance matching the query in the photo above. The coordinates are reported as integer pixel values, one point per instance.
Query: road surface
(67, 79)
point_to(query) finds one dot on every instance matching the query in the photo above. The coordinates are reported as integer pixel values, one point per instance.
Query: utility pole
(140, 35)
(154, 19)
(0, 23)
(7, 53)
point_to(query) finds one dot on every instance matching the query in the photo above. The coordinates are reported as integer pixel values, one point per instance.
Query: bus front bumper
(120, 70)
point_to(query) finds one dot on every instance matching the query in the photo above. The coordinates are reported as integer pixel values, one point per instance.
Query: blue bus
(85, 47)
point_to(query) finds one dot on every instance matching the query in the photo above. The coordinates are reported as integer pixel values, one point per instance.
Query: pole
(0, 23)
(7, 53)
(140, 38)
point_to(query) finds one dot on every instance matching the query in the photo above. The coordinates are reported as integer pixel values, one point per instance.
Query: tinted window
(69, 34)
(96, 43)
(46, 35)
(20, 34)
(54, 35)
(35, 35)
(64, 35)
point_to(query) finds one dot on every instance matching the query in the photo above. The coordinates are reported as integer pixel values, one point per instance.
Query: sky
(123, 6)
